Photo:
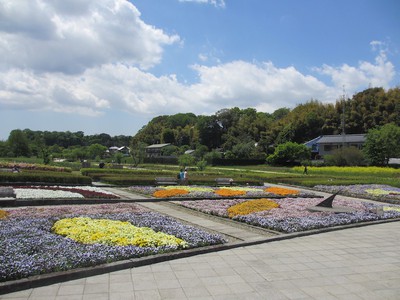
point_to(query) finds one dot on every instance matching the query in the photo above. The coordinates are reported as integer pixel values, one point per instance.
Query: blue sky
(110, 66)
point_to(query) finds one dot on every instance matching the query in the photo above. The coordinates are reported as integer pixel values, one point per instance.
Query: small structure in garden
(7, 196)
(327, 206)
(7, 192)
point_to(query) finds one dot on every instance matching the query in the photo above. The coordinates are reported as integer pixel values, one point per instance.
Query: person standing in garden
(185, 177)
(181, 176)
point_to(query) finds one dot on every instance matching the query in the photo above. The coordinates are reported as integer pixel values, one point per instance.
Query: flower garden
(39, 240)
(49, 239)
(378, 192)
(62, 192)
(213, 192)
(289, 214)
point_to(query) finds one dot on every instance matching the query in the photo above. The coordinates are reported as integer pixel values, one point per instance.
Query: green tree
(18, 143)
(210, 156)
(186, 160)
(168, 136)
(382, 144)
(347, 156)
(4, 149)
(138, 153)
(289, 153)
(201, 165)
(170, 150)
(96, 150)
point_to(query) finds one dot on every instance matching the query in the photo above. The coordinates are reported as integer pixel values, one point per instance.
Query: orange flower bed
(3, 214)
(170, 193)
(229, 192)
(281, 191)
(251, 206)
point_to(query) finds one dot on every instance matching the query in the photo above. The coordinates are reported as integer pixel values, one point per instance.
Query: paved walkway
(356, 263)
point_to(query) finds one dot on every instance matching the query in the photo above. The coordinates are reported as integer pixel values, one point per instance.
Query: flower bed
(61, 192)
(214, 192)
(378, 192)
(290, 214)
(29, 245)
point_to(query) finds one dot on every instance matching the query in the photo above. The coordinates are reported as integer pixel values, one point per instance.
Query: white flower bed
(44, 194)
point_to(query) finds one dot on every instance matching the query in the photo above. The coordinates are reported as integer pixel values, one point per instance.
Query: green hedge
(49, 177)
(150, 180)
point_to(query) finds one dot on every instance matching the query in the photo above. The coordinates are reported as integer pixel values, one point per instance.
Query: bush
(47, 177)
(348, 156)
(288, 154)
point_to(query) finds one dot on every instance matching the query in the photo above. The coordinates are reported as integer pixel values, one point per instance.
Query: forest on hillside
(242, 133)
(233, 128)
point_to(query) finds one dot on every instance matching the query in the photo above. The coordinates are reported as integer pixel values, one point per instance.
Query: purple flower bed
(28, 247)
(292, 215)
(370, 191)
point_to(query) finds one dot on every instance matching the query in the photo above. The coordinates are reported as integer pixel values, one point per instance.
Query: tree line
(238, 133)
(247, 133)
(70, 145)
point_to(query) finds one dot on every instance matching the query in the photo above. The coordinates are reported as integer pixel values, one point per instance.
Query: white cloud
(89, 57)
(71, 36)
(355, 78)
(216, 3)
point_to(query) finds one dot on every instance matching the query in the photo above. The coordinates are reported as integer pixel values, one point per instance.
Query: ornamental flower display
(251, 206)
(29, 246)
(224, 192)
(170, 193)
(3, 214)
(62, 192)
(281, 191)
(206, 192)
(373, 191)
(292, 214)
(111, 232)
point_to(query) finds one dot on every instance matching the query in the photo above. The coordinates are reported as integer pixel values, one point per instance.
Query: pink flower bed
(292, 214)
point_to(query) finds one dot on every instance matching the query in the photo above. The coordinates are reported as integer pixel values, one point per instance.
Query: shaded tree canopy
(239, 131)
(230, 127)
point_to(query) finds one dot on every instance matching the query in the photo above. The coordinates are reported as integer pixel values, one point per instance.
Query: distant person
(305, 170)
(181, 176)
(185, 177)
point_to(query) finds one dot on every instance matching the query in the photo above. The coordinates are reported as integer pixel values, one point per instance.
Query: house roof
(312, 142)
(155, 146)
(337, 139)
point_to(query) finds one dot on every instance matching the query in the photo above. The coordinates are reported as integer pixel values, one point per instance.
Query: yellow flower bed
(251, 206)
(242, 188)
(117, 233)
(170, 193)
(281, 191)
(3, 214)
(189, 188)
(229, 192)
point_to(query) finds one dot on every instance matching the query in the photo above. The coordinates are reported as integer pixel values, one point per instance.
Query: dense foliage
(239, 133)
(244, 133)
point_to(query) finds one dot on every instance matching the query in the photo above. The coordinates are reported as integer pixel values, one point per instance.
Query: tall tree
(18, 143)
(382, 144)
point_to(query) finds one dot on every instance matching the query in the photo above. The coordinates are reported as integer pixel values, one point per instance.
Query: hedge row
(193, 180)
(35, 167)
(48, 177)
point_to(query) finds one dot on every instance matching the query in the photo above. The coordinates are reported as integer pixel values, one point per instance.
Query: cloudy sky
(110, 66)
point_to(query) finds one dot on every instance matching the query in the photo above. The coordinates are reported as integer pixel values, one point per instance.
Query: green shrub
(48, 177)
